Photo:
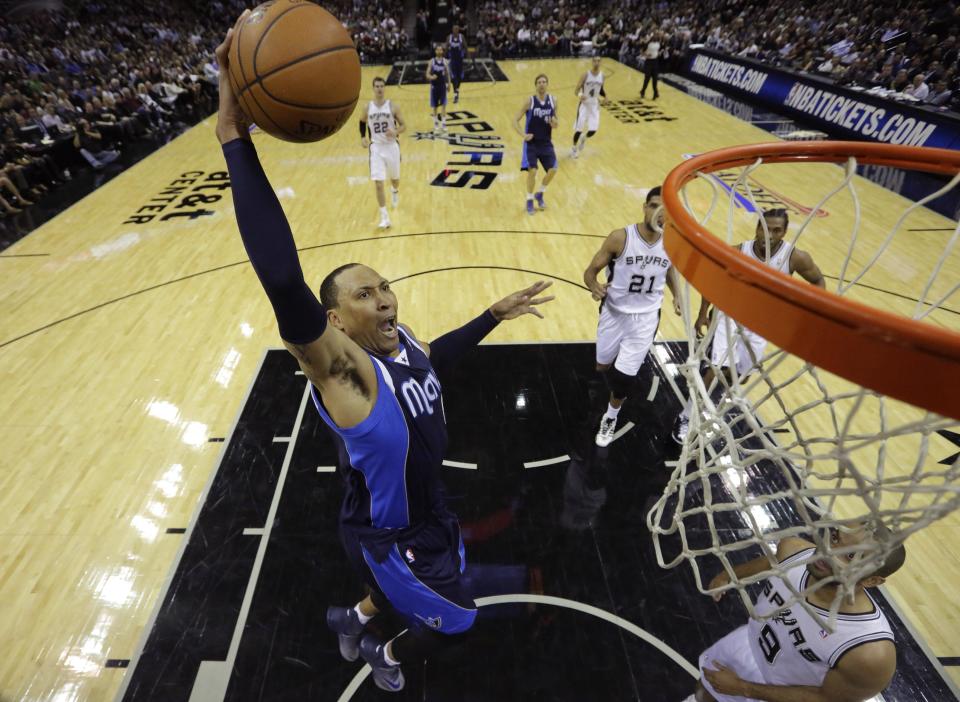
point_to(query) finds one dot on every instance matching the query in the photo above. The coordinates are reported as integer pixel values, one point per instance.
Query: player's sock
(361, 616)
(443, 123)
(383, 212)
(612, 411)
(543, 188)
(529, 197)
(387, 657)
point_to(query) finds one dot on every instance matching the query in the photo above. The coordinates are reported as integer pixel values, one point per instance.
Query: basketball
(295, 70)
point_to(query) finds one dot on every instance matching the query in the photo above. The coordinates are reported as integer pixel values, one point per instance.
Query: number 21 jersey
(637, 276)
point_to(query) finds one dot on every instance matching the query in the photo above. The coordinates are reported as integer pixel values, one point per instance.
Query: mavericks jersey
(592, 87)
(390, 461)
(379, 120)
(637, 276)
(438, 67)
(791, 648)
(457, 48)
(539, 115)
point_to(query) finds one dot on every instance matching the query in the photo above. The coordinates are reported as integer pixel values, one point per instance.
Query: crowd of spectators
(909, 50)
(82, 82)
(376, 28)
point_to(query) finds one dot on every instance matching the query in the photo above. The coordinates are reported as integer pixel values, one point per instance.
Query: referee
(651, 66)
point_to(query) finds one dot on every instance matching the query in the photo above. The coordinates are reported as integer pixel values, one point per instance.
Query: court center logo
(185, 196)
(764, 196)
(474, 145)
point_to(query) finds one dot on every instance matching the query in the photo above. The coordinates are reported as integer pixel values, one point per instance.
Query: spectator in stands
(900, 82)
(941, 94)
(918, 89)
(89, 141)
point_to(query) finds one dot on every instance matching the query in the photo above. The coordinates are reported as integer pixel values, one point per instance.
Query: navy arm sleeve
(269, 243)
(449, 348)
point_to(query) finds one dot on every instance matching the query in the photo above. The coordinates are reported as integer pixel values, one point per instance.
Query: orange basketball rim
(906, 359)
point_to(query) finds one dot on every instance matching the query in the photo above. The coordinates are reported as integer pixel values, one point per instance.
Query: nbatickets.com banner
(826, 106)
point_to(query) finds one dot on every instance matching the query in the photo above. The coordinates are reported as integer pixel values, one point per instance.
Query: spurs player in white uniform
(738, 347)
(790, 656)
(638, 268)
(383, 123)
(591, 93)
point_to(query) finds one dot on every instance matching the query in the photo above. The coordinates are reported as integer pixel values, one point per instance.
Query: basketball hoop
(821, 417)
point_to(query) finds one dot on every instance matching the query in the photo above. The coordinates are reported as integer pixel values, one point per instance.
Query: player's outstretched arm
(611, 248)
(446, 350)
(859, 675)
(325, 354)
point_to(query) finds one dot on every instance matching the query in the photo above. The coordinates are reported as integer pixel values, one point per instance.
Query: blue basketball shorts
(534, 153)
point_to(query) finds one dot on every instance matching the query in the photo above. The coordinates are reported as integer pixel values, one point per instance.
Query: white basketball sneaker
(384, 223)
(395, 198)
(608, 425)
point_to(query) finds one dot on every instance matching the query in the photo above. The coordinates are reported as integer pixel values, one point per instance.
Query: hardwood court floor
(129, 335)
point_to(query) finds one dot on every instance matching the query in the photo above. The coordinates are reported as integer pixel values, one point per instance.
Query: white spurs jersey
(791, 648)
(592, 87)
(780, 259)
(379, 120)
(636, 277)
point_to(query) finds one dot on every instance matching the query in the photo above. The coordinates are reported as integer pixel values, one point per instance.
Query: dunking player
(790, 656)
(374, 383)
(591, 93)
(380, 127)
(541, 116)
(438, 74)
(457, 51)
(638, 267)
(745, 348)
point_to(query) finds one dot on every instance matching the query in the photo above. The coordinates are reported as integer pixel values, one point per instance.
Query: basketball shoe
(387, 677)
(608, 425)
(346, 623)
(530, 209)
(540, 203)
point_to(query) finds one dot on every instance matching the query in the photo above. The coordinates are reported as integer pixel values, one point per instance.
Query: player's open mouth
(388, 327)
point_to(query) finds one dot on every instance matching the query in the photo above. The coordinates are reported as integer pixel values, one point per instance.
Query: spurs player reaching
(638, 268)
(790, 656)
(380, 126)
(591, 94)
(735, 345)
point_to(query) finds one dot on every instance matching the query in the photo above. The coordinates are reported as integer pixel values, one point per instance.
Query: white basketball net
(833, 455)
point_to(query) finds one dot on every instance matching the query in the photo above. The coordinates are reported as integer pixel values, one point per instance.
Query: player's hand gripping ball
(294, 70)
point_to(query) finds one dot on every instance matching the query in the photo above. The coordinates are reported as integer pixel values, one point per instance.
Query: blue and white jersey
(438, 67)
(539, 115)
(456, 49)
(390, 461)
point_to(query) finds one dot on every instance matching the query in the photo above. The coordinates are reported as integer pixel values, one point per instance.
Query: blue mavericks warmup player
(457, 51)
(378, 388)
(438, 74)
(540, 112)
